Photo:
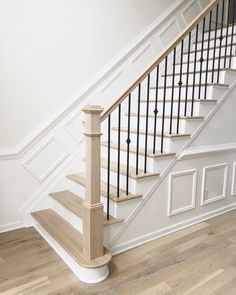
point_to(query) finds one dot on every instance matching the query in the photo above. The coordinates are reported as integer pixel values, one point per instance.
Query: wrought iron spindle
(232, 36)
(208, 53)
(180, 83)
(227, 35)
(147, 117)
(138, 127)
(201, 59)
(194, 70)
(118, 152)
(108, 165)
(214, 49)
(187, 77)
(172, 90)
(128, 141)
(164, 105)
(155, 111)
(221, 38)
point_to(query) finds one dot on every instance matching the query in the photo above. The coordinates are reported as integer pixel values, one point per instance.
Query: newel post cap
(92, 109)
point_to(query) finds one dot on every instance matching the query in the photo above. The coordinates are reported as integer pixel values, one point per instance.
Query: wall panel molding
(223, 190)
(192, 195)
(45, 159)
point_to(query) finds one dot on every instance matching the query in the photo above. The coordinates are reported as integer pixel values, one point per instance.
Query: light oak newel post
(93, 208)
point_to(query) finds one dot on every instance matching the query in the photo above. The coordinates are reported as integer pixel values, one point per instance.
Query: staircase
(138, 138)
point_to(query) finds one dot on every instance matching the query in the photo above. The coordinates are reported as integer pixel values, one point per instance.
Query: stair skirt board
(86, 275)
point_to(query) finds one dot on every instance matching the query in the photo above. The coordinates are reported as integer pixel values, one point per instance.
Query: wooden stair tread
(112, 220)
(174, 135)
(74, 203)
(123, 147)
(167, 116)
(68, 237)
(70, 201)
(80, 178)
(191, 85)
(132, 170)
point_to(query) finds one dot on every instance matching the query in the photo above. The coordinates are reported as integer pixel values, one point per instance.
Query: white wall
(51, 48)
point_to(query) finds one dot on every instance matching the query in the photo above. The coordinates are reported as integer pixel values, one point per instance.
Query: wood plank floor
(197, 260)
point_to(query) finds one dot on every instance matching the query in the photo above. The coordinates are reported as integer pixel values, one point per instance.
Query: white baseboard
(10, 226)
(170, 229)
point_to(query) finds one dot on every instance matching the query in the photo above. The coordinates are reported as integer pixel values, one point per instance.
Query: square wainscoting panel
(182, 191)
(214, 183)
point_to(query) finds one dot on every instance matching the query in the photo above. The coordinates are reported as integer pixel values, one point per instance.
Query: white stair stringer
(139, 228)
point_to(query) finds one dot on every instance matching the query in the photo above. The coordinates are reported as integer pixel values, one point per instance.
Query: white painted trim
(86, 275)
(82, 96)
(233, 192)
(10, 226)
(170, 229)
(206, 151)
(217, 198)
(168, 169)
(187, 7)
(42, 177)
(194, 190)
(167, 27)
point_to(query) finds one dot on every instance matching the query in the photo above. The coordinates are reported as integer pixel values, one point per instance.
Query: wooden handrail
(160, 58)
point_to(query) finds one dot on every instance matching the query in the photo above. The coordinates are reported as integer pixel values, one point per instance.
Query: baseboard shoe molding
(82, 96)
(205, 151)
(170, 229)
(11, 226)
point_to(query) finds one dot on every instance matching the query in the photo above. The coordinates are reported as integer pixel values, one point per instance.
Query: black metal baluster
(208, 52)
(128, 141)
(194, 69)
(164, 105)
(138, 127)
(187, 77)
(180, 85)
(108, 165)
(201, 59)
(172, 90)
(221, 38)
(227, 35)
(146, 131)
(155, 112)
(214, 49)
(232, 36)
(118, 152)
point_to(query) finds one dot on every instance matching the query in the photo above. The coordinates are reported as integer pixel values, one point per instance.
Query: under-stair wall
(200, 184)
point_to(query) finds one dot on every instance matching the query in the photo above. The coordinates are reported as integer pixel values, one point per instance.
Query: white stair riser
(199, 108)
(204, 64)
(136, 186)
(170, 144)
(185, 125)
(212, 42)
(213, 92)
(203, 79)
(218, 31)
(73, 219)
(208, 54)
(153, 164)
